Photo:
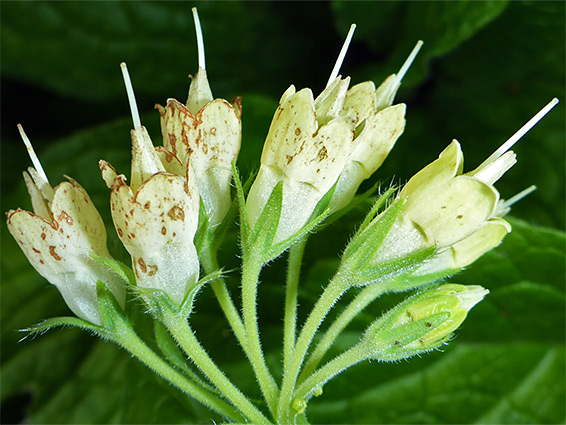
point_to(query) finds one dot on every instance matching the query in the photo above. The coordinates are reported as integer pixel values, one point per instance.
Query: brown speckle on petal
(147, 205)
(322, 154)
(142, 266)
(43, 236)
(53, 253)
(152, 270)
(176, 213)
(163, 230)
(65, 217)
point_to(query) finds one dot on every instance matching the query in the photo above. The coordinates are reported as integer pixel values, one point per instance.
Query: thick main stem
(128, 339)
(183, 334)
(357, 305)
(250, 281)
(331, 294)
(291, 293)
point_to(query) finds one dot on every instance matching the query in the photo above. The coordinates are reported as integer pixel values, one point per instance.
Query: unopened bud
(422, 322)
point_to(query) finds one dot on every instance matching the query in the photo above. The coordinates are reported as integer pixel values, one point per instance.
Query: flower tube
(59, 237)
(304, 150)
(208, 132)
(440, 208)
(156, 217)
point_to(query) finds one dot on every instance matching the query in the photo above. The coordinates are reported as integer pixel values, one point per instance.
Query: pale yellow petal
(170, 162)
(376, 140)
(452, 211)
(385, 93)
(157, 228)
(199, 92)
(38, 202)
(145, 161)
(78, 219)
(328, 105)
(360, 101)
(483, 240)
(293, 125)
(108, 173)
(419, 188)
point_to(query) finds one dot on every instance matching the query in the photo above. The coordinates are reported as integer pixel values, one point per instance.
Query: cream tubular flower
(304, 150)
(378, 126)
(304, 153)
(208, 132)
(448, 210)
(59, 237)
(157, 218)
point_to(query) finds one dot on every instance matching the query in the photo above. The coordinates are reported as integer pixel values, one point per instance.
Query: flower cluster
(171, 214)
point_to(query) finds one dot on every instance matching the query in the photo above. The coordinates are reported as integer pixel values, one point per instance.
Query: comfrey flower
(59, 237)
(440, 208)
(340, 138)
(156, 216)
(205, 133)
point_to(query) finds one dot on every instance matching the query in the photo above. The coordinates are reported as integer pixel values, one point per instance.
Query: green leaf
(481, 383)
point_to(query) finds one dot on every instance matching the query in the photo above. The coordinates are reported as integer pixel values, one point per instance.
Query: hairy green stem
(250, 280)
(128, 339)
(358, 304)
(331, 294)
(210, 264)
(183, 334)
(290, 318)
(345, 360)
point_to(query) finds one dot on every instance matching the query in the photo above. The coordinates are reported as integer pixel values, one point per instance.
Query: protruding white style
(32, 155)
(520, 133)
(341, 56)
(409, 61)
(505, 205)
(131, 96)
(200, 41)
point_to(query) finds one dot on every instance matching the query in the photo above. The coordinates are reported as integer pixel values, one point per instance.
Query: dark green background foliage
(485, 69)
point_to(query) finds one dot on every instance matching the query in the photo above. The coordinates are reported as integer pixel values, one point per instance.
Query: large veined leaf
(489, 67)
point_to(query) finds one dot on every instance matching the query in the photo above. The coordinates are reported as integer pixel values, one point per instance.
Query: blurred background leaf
(485, 69)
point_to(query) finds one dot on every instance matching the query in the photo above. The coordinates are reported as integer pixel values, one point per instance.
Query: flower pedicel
(173, 215)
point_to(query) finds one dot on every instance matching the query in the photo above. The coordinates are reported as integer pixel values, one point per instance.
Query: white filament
(341, 56)
(32, 155)
(514, 199)
(522, 131)
(409, 61)
(200, 41)
(131, 96)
